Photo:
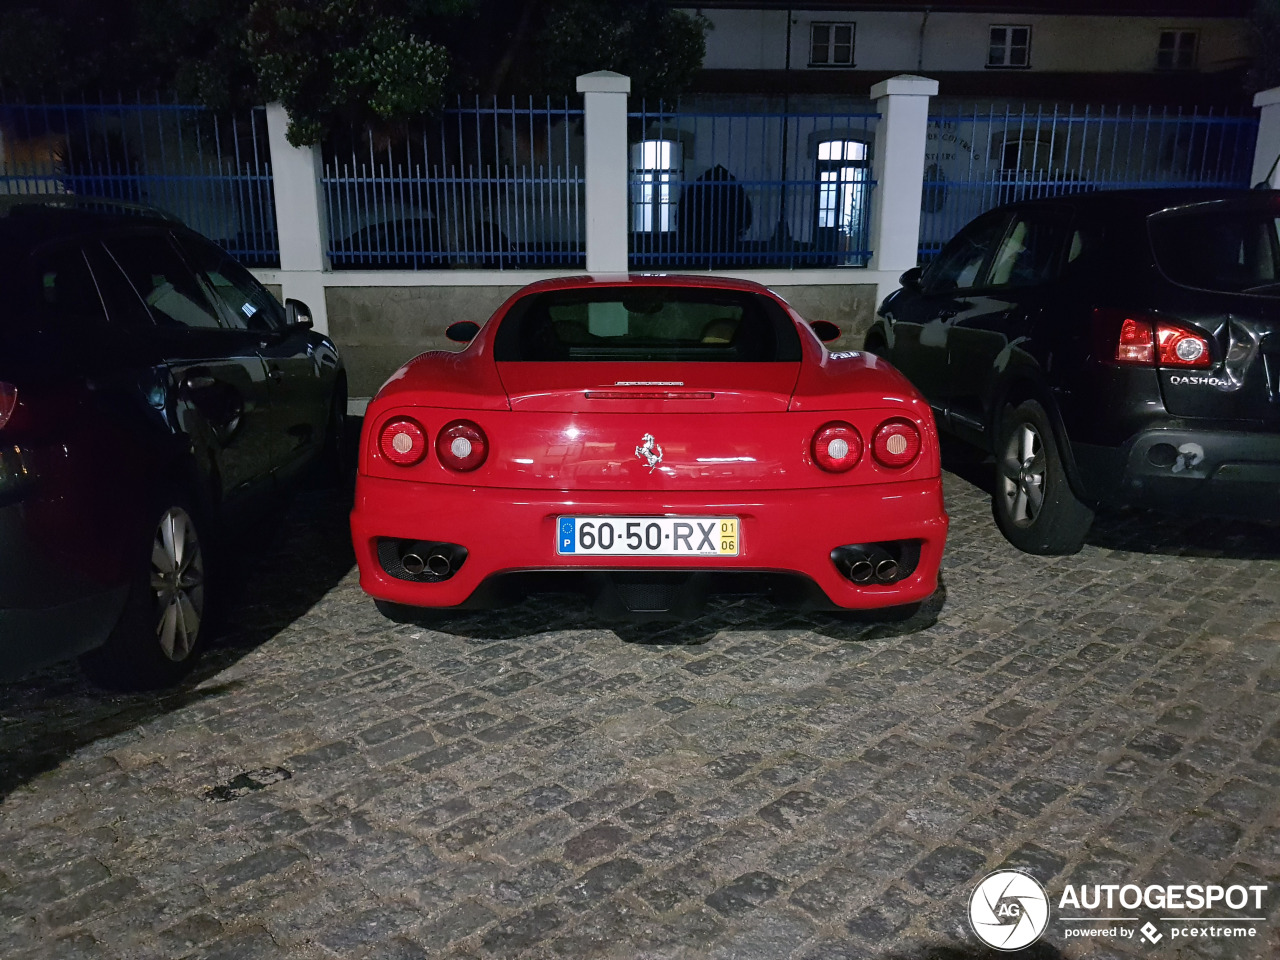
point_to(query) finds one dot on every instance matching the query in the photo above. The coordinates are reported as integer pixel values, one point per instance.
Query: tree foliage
(375, 63)
(334, 61)
(659, 48)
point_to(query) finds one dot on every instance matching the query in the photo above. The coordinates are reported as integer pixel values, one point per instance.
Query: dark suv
(149, 387)
(1118, 348)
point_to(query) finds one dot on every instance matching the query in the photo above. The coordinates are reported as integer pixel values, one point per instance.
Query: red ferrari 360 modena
(653, 438)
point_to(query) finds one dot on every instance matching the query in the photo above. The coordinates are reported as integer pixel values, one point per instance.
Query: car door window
(249, 306)
(961, 261)
(67, 298)
(1029, 254)
(167, 286)
(125, 308)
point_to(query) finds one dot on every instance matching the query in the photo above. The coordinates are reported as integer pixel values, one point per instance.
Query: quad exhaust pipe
(420, 560)
(872, 563)
(438, 563)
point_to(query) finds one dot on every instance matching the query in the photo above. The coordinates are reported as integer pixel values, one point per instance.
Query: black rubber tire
(134, 657)
(1061, 521)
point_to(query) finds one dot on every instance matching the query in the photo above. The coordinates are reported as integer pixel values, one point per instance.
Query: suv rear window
(1228, 250)
(647, 323)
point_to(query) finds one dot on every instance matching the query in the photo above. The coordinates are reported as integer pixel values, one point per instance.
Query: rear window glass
(647, 324)
(1225, 250)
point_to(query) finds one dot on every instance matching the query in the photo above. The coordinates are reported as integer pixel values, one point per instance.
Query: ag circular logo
(1009, 910)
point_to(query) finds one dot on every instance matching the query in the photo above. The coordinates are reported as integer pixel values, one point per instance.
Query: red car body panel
(736, 439)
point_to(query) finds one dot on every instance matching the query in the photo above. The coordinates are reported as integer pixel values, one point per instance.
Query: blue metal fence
(211, 171)
(977, 159)
(750, 189)
(487, 185)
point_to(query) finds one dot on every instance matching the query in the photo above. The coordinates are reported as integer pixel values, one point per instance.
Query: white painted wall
(746, 40)
(886, 40)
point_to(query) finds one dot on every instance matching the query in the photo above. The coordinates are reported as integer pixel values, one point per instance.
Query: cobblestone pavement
(756, 784)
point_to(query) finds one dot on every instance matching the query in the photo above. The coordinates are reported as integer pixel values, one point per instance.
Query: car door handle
(199, 381)
(275, 373)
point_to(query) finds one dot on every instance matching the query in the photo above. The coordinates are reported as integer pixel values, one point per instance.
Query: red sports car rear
(657, 437)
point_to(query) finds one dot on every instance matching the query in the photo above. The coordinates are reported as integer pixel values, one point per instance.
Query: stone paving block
(530, 782)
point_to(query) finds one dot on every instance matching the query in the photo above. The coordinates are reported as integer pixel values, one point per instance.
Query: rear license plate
(648, 536)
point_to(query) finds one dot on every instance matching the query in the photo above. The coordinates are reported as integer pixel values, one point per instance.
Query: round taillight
(896, 443)
(403, 441)
(837, 447)
(462, 445)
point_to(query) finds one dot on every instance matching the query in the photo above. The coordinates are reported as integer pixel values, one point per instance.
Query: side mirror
(825, 330)
(911, 279)
(298, 314)
(464, 331)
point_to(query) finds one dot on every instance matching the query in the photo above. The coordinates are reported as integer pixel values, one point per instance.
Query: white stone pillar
(605, 108)
(1267, 149)
(300, 216)
(898, 169)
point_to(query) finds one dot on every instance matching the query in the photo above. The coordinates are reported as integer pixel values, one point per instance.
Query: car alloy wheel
(1034, 505)
(1022, 474)
(177, 583)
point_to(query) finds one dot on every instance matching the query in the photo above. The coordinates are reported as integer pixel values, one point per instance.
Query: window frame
(830, 45)
(1007, 46)
(654, 198)
(1174, 66)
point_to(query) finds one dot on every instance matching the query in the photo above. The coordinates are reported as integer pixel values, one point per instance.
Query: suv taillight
(8, 401)
(1149, 341)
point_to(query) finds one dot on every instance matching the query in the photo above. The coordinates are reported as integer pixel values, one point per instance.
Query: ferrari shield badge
(650, 451)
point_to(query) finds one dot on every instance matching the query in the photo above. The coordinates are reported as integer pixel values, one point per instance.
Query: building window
(655, 165)
(831, 45)
(842, 171)
(1009, 47)
(1177, 50)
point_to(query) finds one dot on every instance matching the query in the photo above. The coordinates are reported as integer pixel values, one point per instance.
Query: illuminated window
(655, 165)
(1009, 47)
(842, 184)
(831, 45)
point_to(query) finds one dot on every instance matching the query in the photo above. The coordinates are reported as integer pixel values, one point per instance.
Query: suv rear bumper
(1224, 473)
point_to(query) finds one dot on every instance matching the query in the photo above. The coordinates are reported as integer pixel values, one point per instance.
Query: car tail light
(1148, 341)
(462, 445)
(1137, 342)
(8, 401)
(837, 447)
(896, 443)
(1176, 347)
(403, 441)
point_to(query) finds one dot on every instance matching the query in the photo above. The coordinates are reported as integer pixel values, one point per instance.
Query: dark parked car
(1117, 348)
(149, 387)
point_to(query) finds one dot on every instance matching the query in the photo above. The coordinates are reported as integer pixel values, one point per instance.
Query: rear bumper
(31, 638)
(51, 610)
(782, 531)
(1204, 472)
